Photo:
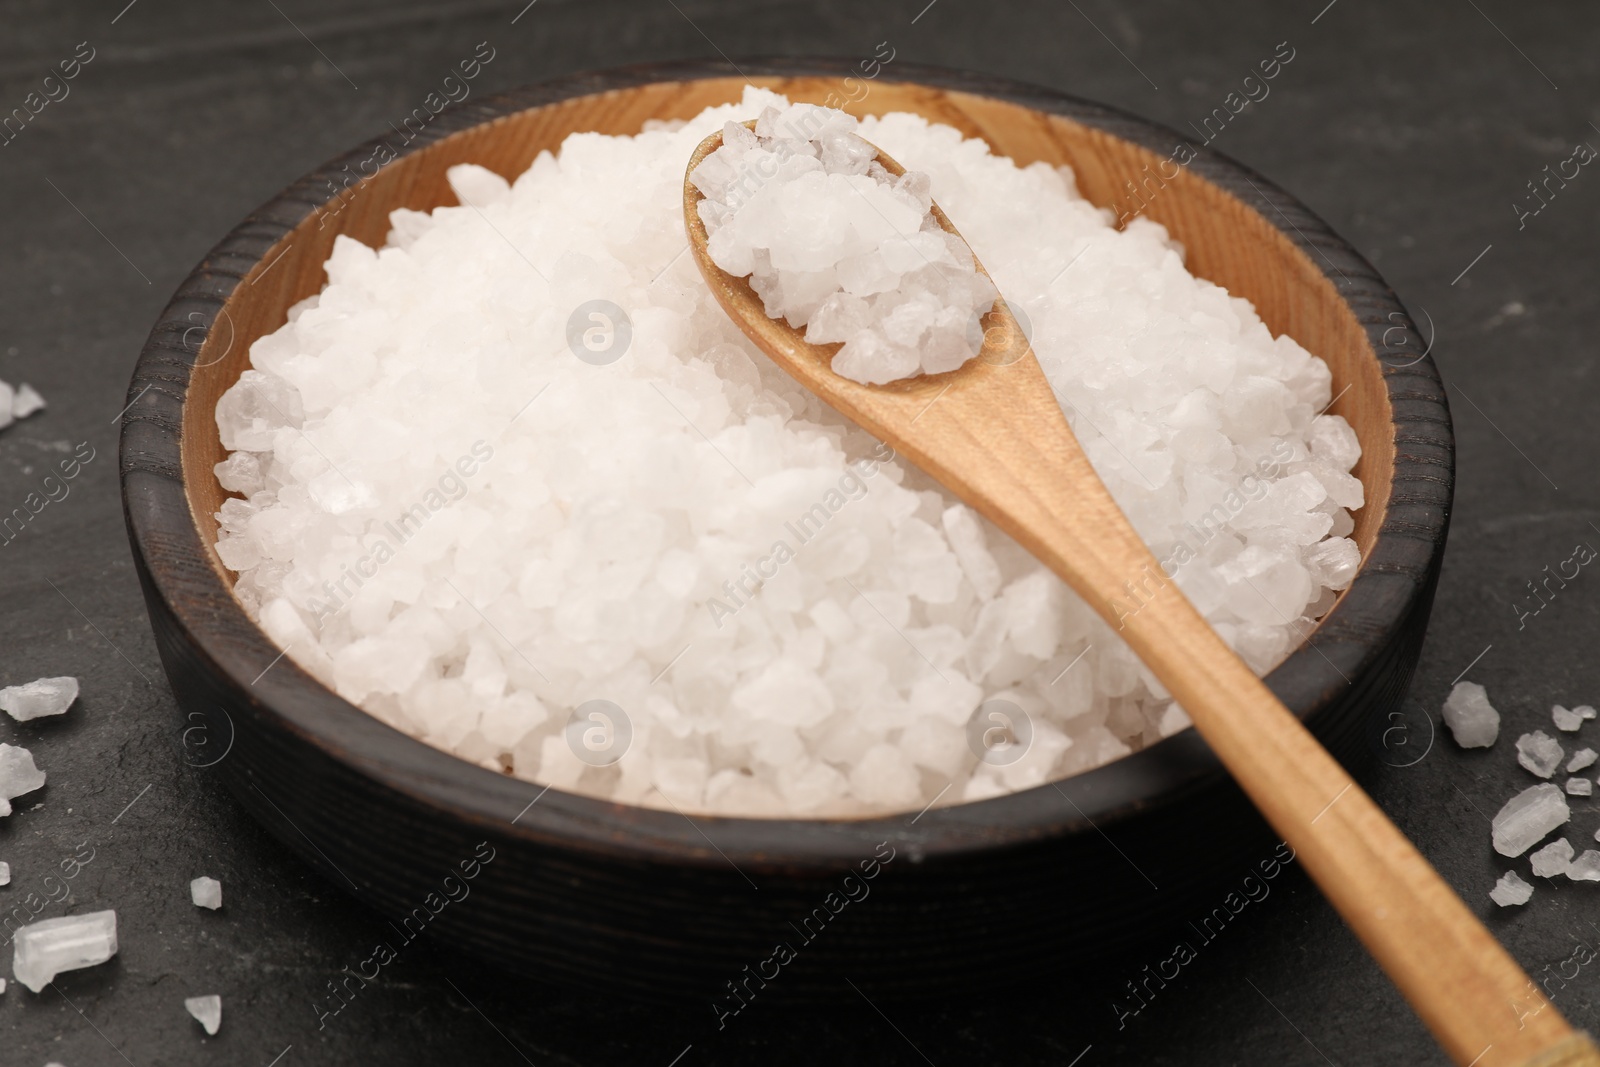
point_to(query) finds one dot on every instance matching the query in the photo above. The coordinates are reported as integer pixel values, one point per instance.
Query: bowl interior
(1227, 242)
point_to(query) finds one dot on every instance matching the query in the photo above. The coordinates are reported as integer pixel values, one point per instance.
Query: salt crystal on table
(1539, 753)
(44, 949)
(44, 696)
(206, 892)
(5, 874)
(206, 1010)
(1586, 868)
(1585, 711)
(18, 775)
(1511, 889)
(1580, 787)
(1527, 817)
(26, 401)
(1473, 721)
(1553, 859)
(1582, 758)
(1568, 721)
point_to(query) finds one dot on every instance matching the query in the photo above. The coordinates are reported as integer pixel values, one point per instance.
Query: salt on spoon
(993, 434)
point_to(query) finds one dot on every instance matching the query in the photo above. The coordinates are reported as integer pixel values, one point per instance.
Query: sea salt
(1527, 817)
(1569, 721)
(1511, 889)
(25, 401)
(18, 775)
(44, 949)
(46, 696)
(1585, 711)
(456, 521)
(1580, 787)
(1473, 721)
(1539, 753)
(5, 873)
(1552, 859)
(206, 1010)
(206, 892)
(832, 241)
(1586, 868)
(1584, 757)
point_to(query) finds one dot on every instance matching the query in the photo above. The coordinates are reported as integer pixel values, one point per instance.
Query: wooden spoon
(994, 434)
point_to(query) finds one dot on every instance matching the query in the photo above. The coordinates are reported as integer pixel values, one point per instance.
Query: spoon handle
(1021, 465)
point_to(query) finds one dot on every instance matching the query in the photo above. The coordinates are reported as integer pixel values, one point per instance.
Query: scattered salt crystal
(1584, 757)
(604, 543)
(1568, 721)
(26, 401)
(44, 949)
(1580, 787)
(206, 892)
(46, 696)
(1553, 858)
(1585, 711)
(206, 1010)
(2, 985)
(1527, 817)
(1586, 868)
(1511, 889)
(1539, 753)
(1473, 721)
(18, 775)
(5, 873)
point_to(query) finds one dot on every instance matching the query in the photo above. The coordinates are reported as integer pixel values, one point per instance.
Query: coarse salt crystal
(45, 696)
(5, 873)
(1568, 721)
(1539, 753)
(207, 1011)
(18, 775)
(206, 892)
(1511, 889)
(1527, 817)
(1473, 721)
(1552, 859)
(44, 949)
(26, 401)
(1584, 757)
(1586, 868)
(1580, 787)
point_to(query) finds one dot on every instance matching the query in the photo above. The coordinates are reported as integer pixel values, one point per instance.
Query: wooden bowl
(656, 904)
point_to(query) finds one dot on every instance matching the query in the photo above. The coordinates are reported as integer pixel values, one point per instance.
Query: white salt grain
(5, 873)
(833, 242)
(1473, 721)
(1585, 711)
(18, 775)
(206, 1010)
(1568, 721)
(206, 892)
(1584, 757)
(44, 949)
(1539, 753)
(1552, 859)
(1580, 787)
(26, 401)
(1586, 868)
(45, 696)
(607, 543)
(1511, 889)
(1527, 817)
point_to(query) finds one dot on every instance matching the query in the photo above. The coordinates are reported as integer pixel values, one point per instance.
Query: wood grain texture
(624, 897)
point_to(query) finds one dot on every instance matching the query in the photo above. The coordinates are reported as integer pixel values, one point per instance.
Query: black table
(1413, 128)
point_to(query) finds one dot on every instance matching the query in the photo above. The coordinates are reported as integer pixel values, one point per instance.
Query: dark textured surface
(1411, 129)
